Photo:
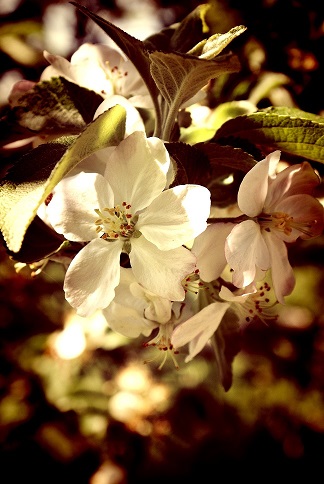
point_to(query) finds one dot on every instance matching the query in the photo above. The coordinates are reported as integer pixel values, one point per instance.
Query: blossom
(107, 72)
(137, 311)
(245, 305)
(280, 208)
(198, 329)
(128, 209)
(102, 69)
(251, 303)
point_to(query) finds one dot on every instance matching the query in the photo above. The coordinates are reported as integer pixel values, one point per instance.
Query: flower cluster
(166, 225)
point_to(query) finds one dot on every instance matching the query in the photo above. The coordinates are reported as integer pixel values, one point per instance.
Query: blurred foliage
(103, 416)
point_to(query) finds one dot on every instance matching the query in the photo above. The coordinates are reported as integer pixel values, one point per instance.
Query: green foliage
(50, 108)
(209, 48)
(180, 76)
(174, 75)
(290, 130)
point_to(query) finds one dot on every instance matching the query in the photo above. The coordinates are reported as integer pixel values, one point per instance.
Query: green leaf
(226, 156)
(190, 30)
(55, 107)
(180, 76)
(209, 48)
(207, 128)
(31, 180)
(290, 130)
(211, 165)
(186, 36)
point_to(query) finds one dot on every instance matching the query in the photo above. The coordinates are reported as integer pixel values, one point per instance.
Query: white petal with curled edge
(282, 274)
(157, 308)
(245, 249)
(209, 248)
(294, 180)
(127, 321)
(92, 276)
(254, 186)
(199, 328)
(229, 296)
(308, 217)
(134, 121)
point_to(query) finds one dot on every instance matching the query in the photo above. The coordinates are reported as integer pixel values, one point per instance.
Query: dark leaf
(192, 165)
(226, 343)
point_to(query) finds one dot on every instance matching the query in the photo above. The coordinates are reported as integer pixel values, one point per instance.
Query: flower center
(192, 283)
(115, 74)
(259, 305)
(117, 222)
(162, 341)
(284, 223)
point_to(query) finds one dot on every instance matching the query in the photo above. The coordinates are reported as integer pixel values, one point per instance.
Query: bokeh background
(77, 402)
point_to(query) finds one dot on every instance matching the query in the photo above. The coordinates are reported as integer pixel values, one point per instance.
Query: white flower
(102, 69)
(251, 303)
(281, 209)
(136, 310)
(246, 305)
(128, 210)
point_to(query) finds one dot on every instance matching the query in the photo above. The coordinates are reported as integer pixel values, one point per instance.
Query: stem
(234, 220)
(170, 119)
(158, 118)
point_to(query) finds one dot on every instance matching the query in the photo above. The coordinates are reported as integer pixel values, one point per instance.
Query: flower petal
(176, 216)
(127, 321)
(134, 173)
(282, 275)
(209, 248)
(130, 311)
(245, 249)
(254, 186)
(71, 211)
(92, 276)
(161, 271)
(157, 308)
(199, 328)
(294, 180)
(88, 67)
